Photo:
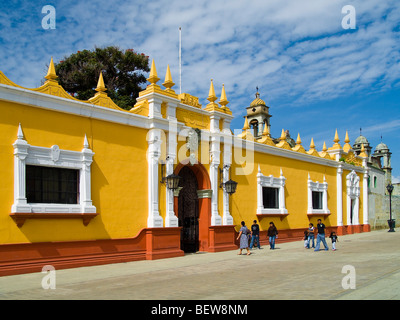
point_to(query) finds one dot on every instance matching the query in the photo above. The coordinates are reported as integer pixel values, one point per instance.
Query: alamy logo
(349, 20)
(49, 20)
(349, 280)
(49, 280)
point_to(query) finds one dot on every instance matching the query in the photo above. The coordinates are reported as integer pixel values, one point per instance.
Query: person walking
(311, 235)
(321, 236)
(255, 235)
(272, 233)
(334, 239)
(306, 243)
(244, 239)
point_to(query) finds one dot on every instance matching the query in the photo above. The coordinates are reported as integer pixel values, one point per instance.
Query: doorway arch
(203, 202)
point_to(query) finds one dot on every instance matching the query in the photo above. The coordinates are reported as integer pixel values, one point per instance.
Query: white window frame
(271, 182)
(317, 187)
(54, 157)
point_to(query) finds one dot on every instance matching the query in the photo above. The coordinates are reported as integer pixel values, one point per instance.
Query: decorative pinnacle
(223, 101)
(100, 84)
(346, 139)
(211, 93)
(324, 148)
(266, 131)
(153, 78)
(168, 83)
(283, 135)
(312, 145)
(51, 72)
(298, 141)
(336, 139)
(246, 124)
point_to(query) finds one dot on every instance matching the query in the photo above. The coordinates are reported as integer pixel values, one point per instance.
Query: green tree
(122, 72)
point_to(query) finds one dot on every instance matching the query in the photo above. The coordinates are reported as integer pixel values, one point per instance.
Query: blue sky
(314, 75)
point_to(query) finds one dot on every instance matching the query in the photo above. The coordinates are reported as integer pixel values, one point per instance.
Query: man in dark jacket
(321, 236)
(255, 234)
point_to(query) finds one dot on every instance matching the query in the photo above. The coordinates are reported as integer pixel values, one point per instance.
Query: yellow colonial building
(86, 182)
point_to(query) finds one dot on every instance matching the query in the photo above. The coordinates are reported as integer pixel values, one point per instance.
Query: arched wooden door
(188, 210)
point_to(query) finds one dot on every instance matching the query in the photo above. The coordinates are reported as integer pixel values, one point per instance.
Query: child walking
(306, 243)
(334, 239)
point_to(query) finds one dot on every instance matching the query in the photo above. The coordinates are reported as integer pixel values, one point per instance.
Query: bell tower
(382, 151)
(258, 116)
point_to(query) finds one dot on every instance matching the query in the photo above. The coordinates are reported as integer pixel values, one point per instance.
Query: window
(317, 200)
(270, 198)
(51, 180)
(317, 197)
(270, 194)
(52, 185)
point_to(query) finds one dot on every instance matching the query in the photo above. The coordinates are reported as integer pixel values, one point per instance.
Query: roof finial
(211, 93)
(100, 84)
(223, 101)
(51, 72)
(246, 124)
(257, 93)
(168, 83)
(153, 78)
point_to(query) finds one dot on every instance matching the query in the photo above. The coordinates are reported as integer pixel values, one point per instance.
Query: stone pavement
(288, 272)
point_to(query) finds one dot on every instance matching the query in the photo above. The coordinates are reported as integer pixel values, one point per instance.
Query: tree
(122, 72)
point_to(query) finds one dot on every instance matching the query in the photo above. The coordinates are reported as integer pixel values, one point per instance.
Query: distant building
(380, 175)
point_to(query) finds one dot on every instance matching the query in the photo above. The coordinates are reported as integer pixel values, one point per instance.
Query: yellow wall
(119, 174)
(244, 201)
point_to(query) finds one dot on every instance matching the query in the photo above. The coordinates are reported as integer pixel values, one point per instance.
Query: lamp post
(391, 222)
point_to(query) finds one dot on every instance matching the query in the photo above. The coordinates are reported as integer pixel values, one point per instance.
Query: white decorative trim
(227, 218)
(25, 154)
(318, 187)
(215, 152)
(353, 193)
(272, 182)
(339, 198)
(154, 219)
(365, 196)
(171, 220)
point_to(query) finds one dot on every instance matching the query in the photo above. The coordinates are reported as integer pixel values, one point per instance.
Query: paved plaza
(288, 272)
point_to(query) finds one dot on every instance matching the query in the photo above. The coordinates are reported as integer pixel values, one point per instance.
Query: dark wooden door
(188, 211)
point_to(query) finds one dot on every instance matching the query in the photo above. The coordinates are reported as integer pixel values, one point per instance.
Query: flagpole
(180, 60)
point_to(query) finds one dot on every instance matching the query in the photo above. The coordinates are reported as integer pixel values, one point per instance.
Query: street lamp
(171, 181)
(391, 222)
(230, 186)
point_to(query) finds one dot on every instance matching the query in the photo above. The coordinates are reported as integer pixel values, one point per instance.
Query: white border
(25, 154)
(318, 187)
(272, 182)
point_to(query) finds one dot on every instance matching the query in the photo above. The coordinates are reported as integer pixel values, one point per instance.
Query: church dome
(381, 147)
(361, 140)
(257, 101)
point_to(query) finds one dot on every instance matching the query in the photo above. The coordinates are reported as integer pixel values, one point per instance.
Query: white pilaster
(20, 153)
(171, 220)
(365, 196)
(215, 161)
(154, 107)
(85, 175)
(339, 197)
(154, 219)
(227, 218)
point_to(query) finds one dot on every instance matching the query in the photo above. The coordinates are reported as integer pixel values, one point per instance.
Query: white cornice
(54, 103)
